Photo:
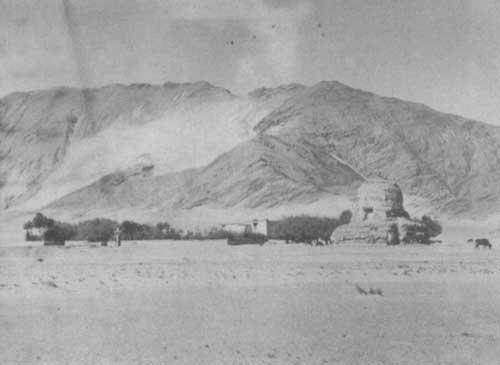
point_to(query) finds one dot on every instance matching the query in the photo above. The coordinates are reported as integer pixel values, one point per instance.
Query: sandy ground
(209, 303)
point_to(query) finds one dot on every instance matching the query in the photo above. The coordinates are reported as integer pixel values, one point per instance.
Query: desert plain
(177, 302)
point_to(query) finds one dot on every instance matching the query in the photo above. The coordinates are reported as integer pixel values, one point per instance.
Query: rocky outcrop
(363, 232)
(380, 217)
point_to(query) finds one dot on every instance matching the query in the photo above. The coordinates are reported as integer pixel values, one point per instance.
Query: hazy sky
(445, 53)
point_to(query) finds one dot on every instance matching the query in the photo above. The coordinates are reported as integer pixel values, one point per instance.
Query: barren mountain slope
(452, 161)
(315, 143)
(55, 141)
(263, 172)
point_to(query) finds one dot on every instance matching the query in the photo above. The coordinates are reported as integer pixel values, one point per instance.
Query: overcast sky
(445, 53)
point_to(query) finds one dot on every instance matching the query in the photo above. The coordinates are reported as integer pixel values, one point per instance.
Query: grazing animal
(470, 240)
(482, 242)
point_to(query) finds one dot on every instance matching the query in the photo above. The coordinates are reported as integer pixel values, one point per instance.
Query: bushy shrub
(41, 221)
(136, 231)
(96, 230)
(28, 225)
(345, 217)
(55, 234)
(421, 230)
(432, 227)
(66, 230)
(302, 228)
(165, 231)
(306, 228)
(190, 235)
(214, 233)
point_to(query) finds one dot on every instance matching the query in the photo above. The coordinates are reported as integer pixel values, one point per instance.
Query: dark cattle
(482, 242)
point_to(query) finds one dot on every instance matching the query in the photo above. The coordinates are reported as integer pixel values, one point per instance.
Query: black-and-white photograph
(226, 182)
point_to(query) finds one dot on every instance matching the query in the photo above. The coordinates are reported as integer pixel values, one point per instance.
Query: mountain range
(160, 150)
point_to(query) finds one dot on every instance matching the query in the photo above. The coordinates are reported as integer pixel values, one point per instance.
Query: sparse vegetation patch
(307, 229)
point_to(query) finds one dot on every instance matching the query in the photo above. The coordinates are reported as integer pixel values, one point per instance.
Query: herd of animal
(480, 242)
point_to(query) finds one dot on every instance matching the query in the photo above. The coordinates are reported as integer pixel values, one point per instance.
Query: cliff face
(274, 147)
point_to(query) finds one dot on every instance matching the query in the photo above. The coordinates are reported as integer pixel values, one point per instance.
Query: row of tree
(302, 228)
(96, 230)
(305, 228)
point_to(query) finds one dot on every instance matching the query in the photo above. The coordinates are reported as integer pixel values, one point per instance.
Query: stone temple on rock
(379, 217)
